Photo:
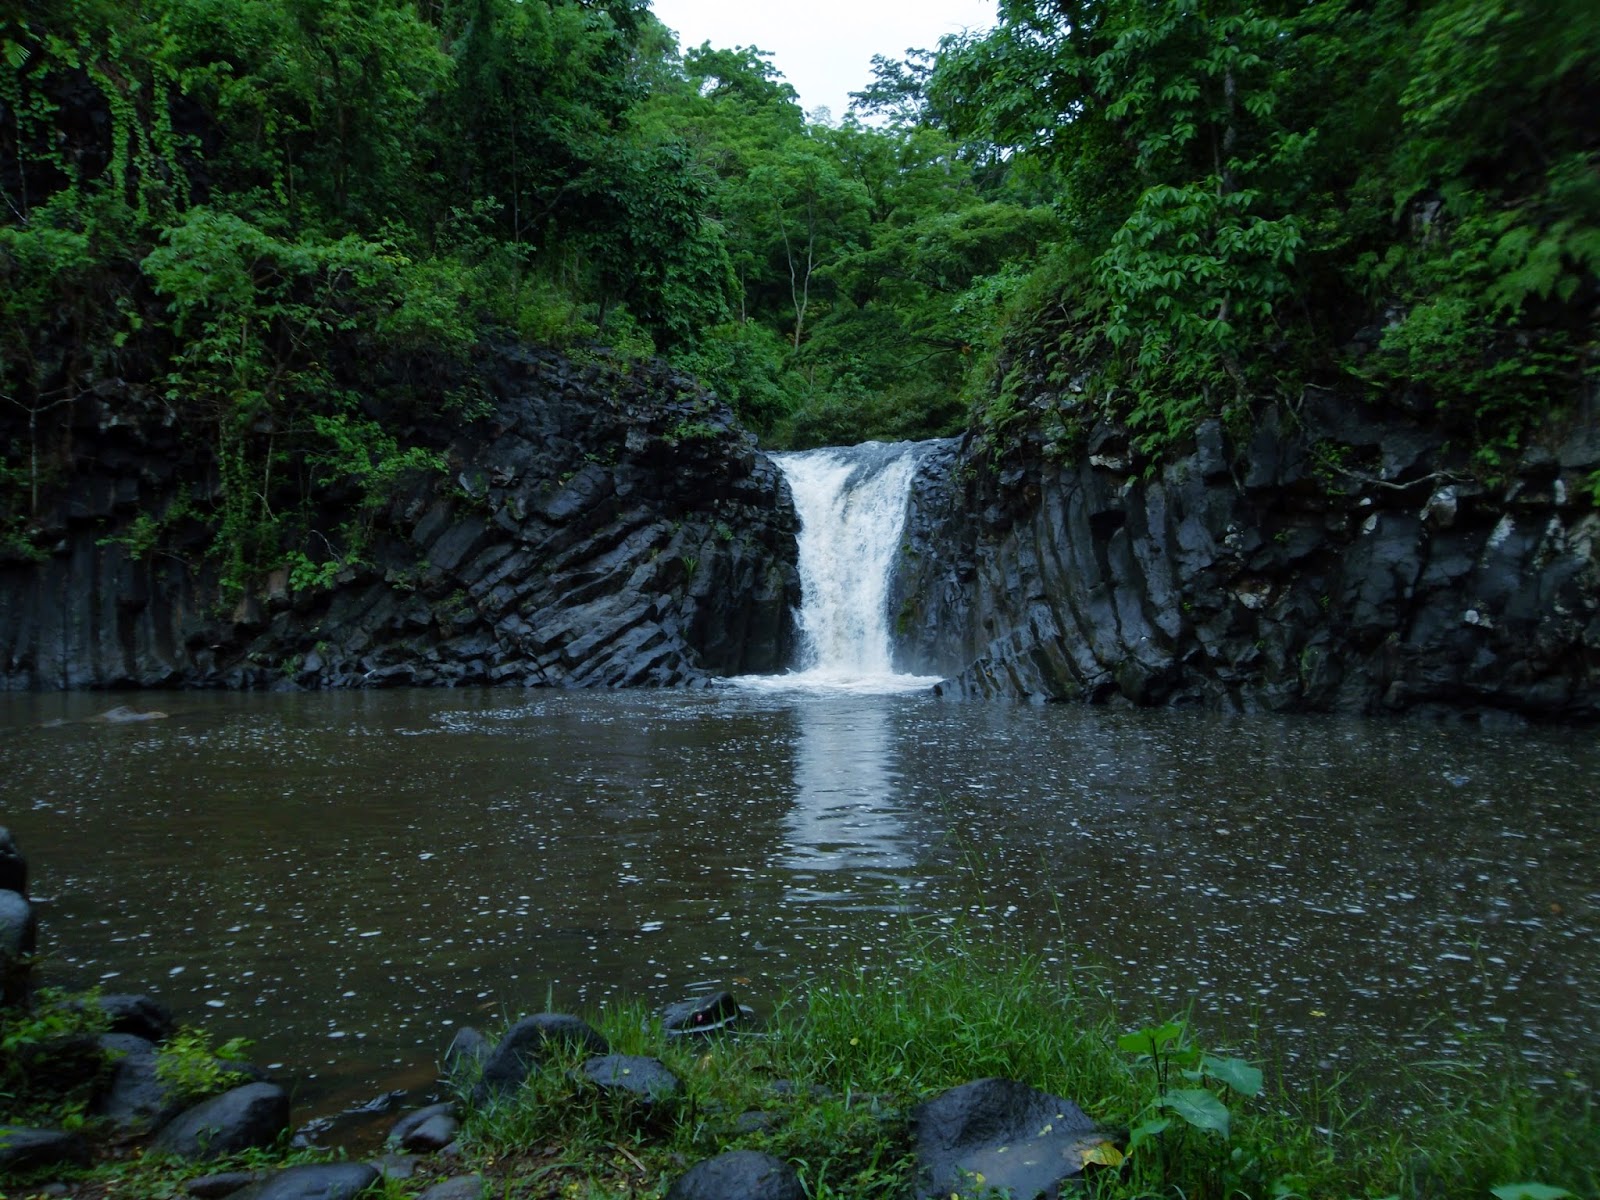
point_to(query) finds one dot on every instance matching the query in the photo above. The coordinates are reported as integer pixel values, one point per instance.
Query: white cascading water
(852, 506)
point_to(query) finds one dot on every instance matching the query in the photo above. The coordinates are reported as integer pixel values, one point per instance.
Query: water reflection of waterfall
(845, 815)
(852, 506)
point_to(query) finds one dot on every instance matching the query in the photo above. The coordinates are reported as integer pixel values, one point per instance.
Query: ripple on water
(384, 867)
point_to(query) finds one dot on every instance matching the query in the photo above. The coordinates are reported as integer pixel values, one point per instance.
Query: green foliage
(194, 1067)
(1255, 183)
(50, 1064)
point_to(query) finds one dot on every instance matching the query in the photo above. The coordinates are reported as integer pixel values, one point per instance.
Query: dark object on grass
(462, 1187)
(224, 1183)
(314, 1181)
(739, 1175)
(632, 1075)
(23, 1149)
(524, 1046)
(1002, 1137)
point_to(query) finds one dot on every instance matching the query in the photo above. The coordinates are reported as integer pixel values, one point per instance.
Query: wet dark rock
(254, 1115)
(600, 527)
(642, 1079)
(224, 1183)
(468, 1046)
(24, 1149)
(461, 1187)
(13, 865)
(19, 928)
(738, 1175)
(702, 1014)
(137, 1098)
(523, 1047)
(756, 1121)
(19, 935)
(427, 1129)
(396, 1166)
(997, 1136)
(314, 1181)
(1344, 560)
(139, 1015)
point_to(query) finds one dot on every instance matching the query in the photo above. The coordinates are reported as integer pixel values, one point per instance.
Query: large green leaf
(1198, 1107)
(1150, 1039)
(1145, 1132)
(1235, 1072)
(1529, 1191)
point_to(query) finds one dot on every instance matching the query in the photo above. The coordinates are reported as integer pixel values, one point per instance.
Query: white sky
(823, 47)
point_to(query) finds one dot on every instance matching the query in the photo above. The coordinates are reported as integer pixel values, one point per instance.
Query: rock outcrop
(601, 526)
(1329, 559)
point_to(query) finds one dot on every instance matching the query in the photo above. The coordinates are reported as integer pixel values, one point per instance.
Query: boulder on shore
(739, 1175)
(255, 1115)
(524, 1046)
(1000, 1137)
(23, 1149)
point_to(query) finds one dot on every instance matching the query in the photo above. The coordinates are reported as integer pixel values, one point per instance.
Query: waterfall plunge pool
(344, 878)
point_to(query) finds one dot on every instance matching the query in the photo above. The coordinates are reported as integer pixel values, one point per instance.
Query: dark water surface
(344, 878)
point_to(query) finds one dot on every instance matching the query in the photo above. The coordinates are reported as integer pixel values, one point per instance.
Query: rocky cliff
(600, 526)
(1328, 559)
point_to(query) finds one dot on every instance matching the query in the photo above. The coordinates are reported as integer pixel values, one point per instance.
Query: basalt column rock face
(1330, 558)
(602, 526)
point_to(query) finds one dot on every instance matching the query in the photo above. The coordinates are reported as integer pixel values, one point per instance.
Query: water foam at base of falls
(852, 506)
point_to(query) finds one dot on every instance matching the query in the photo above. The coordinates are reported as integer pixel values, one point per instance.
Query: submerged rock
(702, 1014)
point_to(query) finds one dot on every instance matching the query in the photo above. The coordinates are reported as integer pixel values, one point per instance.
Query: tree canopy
(282, 221)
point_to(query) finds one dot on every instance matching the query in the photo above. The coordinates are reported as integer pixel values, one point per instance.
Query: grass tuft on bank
(830, 1082)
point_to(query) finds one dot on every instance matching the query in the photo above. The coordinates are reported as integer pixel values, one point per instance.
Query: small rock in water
(702, 1014)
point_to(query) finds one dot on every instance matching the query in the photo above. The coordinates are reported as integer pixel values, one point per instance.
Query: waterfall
(852, 506)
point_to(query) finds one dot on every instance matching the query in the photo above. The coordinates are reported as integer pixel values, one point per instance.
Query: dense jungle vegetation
(279, 226)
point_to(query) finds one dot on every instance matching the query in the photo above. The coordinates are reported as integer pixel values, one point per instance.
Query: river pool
(346, 878)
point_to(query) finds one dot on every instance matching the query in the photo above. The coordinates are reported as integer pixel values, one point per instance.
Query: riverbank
(835, 1085)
